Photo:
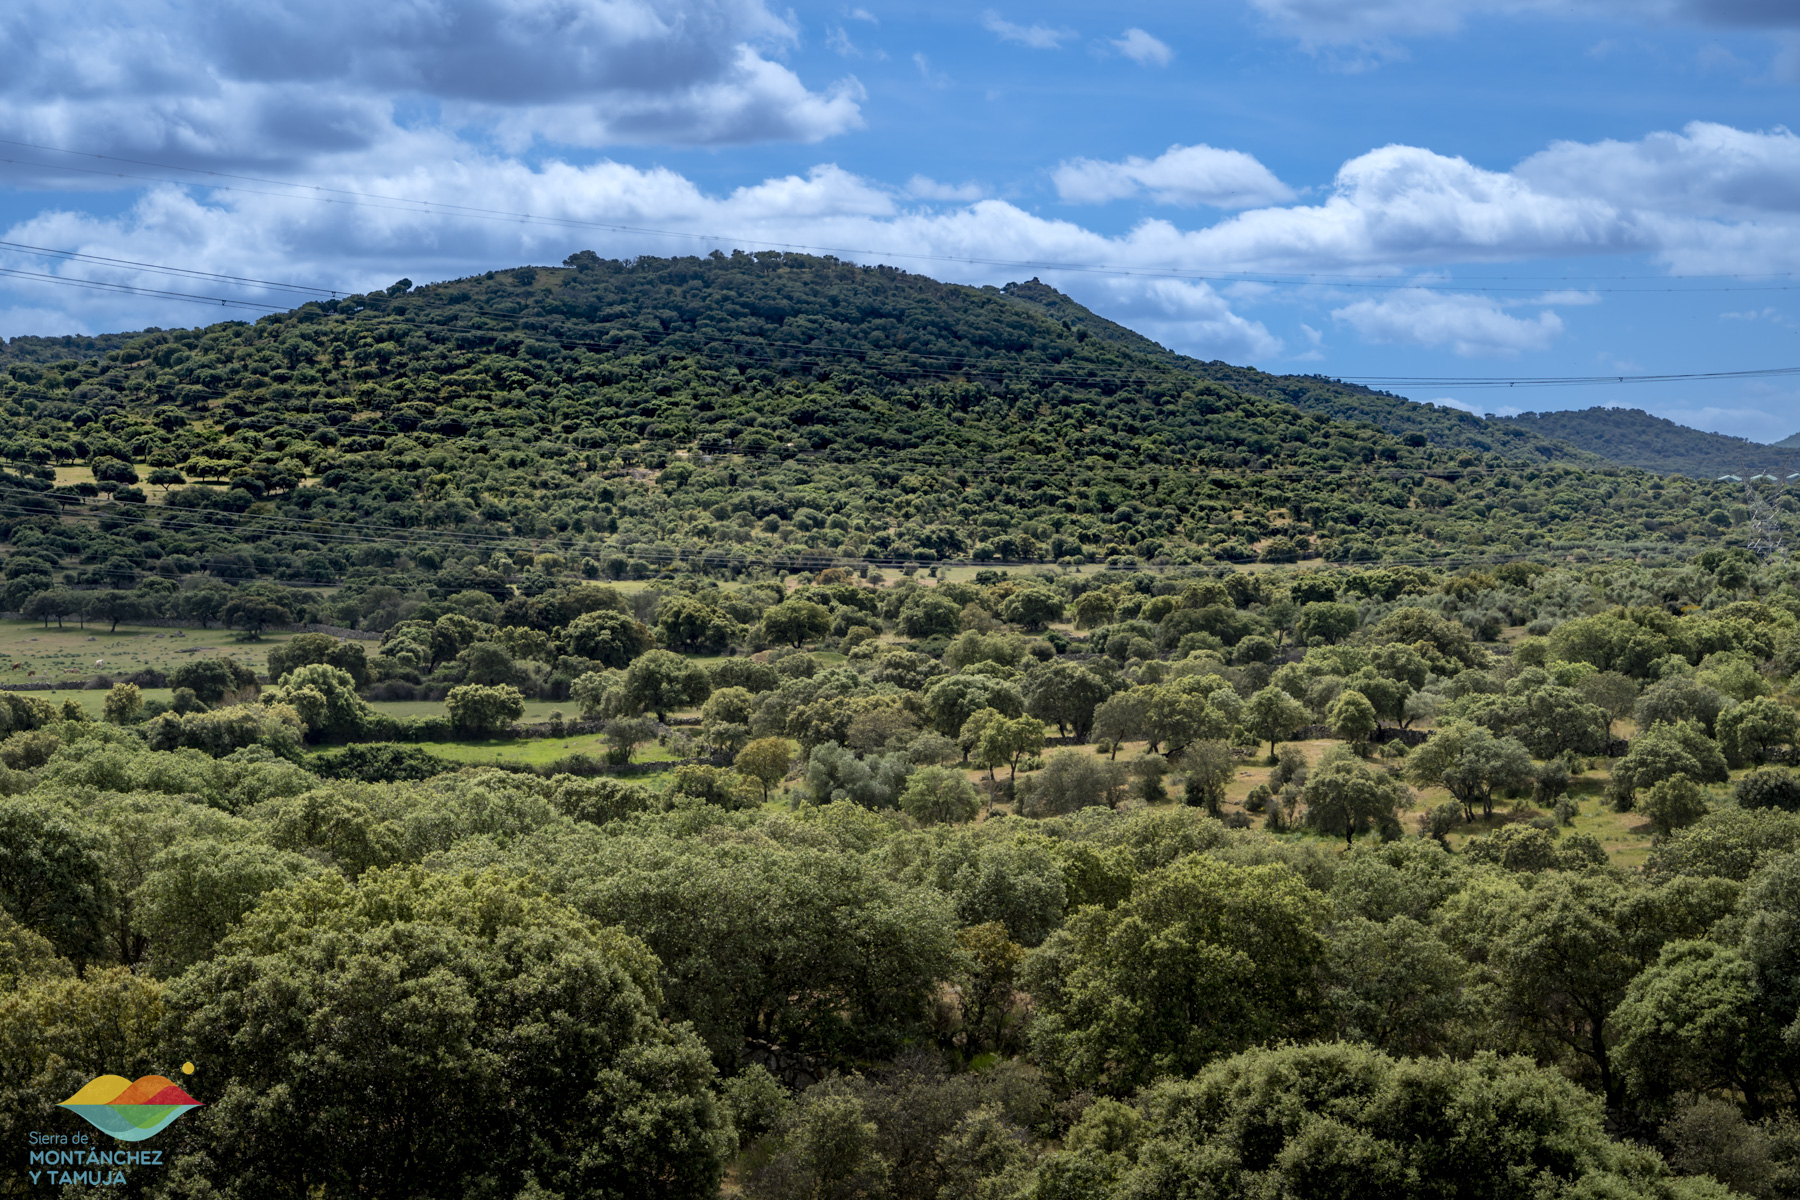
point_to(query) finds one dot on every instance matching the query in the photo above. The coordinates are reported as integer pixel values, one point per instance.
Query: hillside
(1636, 438)
(750, 411)
(1442, 426)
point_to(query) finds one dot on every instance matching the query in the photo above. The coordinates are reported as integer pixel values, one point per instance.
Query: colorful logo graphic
(130, 1111)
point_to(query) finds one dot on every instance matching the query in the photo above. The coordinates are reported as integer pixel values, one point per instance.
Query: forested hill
(1440, 425)
(749, 409)
(1636, 438)
(29, 349)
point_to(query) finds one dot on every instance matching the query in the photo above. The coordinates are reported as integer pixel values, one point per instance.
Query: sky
(1430, 191)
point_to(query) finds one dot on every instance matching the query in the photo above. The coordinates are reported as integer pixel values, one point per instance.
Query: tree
(53, 875)
(122, 703)
(925, 615)
(1122, 717)
(1065, 695)
(203, 603)
(973, 740)
(939, 795)
(794, 622)
(198, 888)
(1614, 694)
(765, 760)
(482, 712)
(1664, 751)
(1352, 718)
(1558, 958)
(625, 734)
(253, 613)
(689, 624)
(1176, 716)
(1342, 1120)
(213, 679)
(1070, 782)
(661, 681)
(113, 607)
(1323, 622)
(326, 699)
(54, 604)
(1009, 740)
(1678, 699)
(1343, 796)
(1753, 731)
(1694, 1022)
(1395, 985)
(1203, 959)
(304, 648)
(1207, 770)
(1093, 609)
(610, 638)
(953, 699)
(1032, 607)
(1272, 714)
(1769, 787)
(1470, 763)
(507, 1033)
(1673, 803)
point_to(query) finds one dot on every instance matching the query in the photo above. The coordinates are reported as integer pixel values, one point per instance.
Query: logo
(130, 1111)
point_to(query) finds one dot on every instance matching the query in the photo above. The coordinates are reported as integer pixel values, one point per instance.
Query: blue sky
(1399, 188)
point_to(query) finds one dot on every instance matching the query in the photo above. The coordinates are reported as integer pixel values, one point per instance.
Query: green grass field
(537, 751)
(31, 653)
(535, 710)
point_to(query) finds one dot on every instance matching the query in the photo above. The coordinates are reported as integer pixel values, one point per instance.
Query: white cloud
(284, 83)
(1472, 326)
(1037, 37)
(1189, 317)
(1180, 175)
(1705, 170)
(933, 79)
(1708, 199)
(1144, 49)
(926, 188)
(1567, 298)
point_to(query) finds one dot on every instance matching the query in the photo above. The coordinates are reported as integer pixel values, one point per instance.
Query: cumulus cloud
(284, 82)
(924, 187)
(1705, 199)
(1189, 317)
(1180, 175)
(1472, 326)
(1037, 37)
(1705, 170)
(1142, 48)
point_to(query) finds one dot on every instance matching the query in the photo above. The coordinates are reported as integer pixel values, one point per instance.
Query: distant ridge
(1396, 415)
(1636, 438)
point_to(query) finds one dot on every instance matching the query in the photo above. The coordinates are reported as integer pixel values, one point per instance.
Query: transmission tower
(1766, 540)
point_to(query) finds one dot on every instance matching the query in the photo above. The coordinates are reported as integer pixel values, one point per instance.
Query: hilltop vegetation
(612, 418)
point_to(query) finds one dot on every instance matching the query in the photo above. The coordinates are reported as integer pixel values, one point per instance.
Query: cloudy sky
(1442, 189)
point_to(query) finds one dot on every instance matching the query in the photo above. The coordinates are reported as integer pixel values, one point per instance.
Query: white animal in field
(99, 662)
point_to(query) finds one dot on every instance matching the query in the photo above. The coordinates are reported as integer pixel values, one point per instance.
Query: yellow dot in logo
(187, 1068)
